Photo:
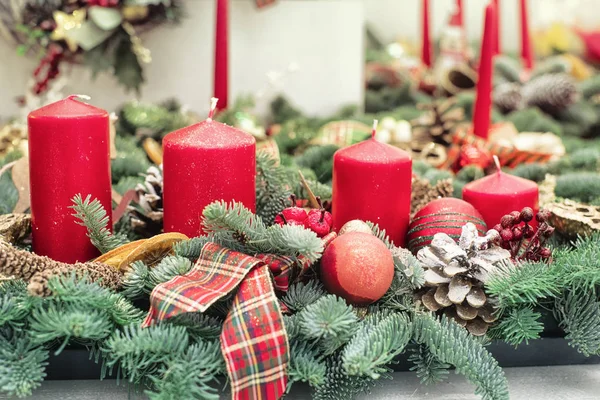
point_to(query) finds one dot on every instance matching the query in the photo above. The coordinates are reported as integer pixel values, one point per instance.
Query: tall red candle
(426, 43)
(526, 53)
(372, 182)
(499, 194)
(202, 163)
(459, 13)
(483, 100)
(68, 155)
(221, 72)
(497, 27)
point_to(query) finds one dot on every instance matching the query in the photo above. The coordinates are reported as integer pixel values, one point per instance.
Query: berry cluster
(523, 241)
(317, 220)
(47, 69)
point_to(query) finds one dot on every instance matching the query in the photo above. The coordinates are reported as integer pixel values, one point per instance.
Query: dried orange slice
(115, 256)
(153, 150)
(152, 250)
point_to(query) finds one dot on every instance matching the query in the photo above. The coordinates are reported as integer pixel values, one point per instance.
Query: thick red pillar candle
(221, 72)
(68, 155)
(526, 52)
(426, 42)
(372, 182)
(483, 101)
(202, 163)
(497, 27)
(499, 194)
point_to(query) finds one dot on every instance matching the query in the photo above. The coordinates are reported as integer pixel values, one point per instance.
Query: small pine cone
(104, 275)
(423, 192)
(551, 93)
(21, 264)
(149, 222)
(507, 97)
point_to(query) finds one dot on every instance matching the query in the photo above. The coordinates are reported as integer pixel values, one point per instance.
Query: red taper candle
(497, 27)
(426, 37)
(499, 194)
(526, 52)
(221, 72)
(68, 155)
(202, 163)
(459, 13)
(483, 100)
(372, 182)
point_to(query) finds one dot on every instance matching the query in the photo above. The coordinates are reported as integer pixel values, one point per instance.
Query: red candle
(497, 27)
(426, 44)
(202, 163)
(499, 194)
(372, 182)
(483, 100)
(68, 155)
(526, 53)
(221, 77)
(459, 13)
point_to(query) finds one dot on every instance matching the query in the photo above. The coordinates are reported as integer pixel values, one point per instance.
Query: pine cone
(439, 123)
(551, 93)
(456, 273)
(507, 97)
(104, 275)
(423, 192)
(149, 222)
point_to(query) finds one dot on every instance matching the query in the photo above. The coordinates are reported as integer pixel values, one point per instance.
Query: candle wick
(497, 162)
(374, 131)
(79, 97)
(213, 107)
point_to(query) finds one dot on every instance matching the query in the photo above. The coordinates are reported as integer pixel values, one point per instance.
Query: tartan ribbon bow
(254, 342)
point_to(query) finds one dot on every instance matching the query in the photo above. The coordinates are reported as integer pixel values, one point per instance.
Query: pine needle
(428, 367)
(578, 313)
(518, 325)
(301, 294)
(22, 366)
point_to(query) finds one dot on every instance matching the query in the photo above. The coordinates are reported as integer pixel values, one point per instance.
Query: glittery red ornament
(357, 267)
(471, 154)
(446, 215)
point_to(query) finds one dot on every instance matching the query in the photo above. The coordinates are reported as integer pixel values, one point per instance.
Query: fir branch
(134, 280)
(22, 366)
(411, 269)
(292, 327)
(578, 313)
(190, 375)
(376, 345)
(293, 240)
(381, 234)
(271, 188)
(329, 321)
(301, 294)
(340, 386)
(513, 285)
(199, 326)
(518, 325)
(93, 216)
(578, 266)
(168, 268)
(428, 367)
(305, 365)
(14, 304)
(192, 248)
(452, 344)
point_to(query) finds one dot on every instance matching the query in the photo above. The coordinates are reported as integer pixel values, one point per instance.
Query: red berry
(549, 231)
(528, 232)
(543, 215)
(506, 235)
(319, 221)
(545, 253)
(517, 233)
(497, 227)
(507, 221)
(517, 217)
(527, 214)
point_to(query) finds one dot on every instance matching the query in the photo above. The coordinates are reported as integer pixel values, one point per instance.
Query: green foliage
(427, 366)
(590, 87)
(578, 313)
(329, 321)
(375, 346)
(131, 160)
(518, 325)
(8, 193)
(411, 270)
(14, 306)
(300, 295)
(127, 67)
(583, 114)
(282, 110)
(450, 343)
(514, 285)
(340, 386)
(580, 186)
(435, 175)
(306, 365)
(507, 68)
(140, 279)
(127, 183)
(586, 159)
(319, 159)
(295, 133)
(22, 366)
(470, 173)
(135, 279)
(381, 234)
(578, 266)
(199, 326)
(533, 120)
(271, 188)
(93, 216)
(533, 171)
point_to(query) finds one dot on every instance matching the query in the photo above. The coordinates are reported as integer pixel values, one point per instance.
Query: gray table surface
(576, 382)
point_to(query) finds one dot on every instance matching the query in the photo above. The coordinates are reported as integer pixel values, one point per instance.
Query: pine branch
(381, 234)
(329, 321)
(93, 216)
(427, 366)
(340, 386)
(513, 285)
(301, 294)
(452, 344)
(271, 188)
(375, 346)
(191, 249)
(411, 269)
(578, 313)
(199, 326)
(578, 266)
(135, 279)
(305, 365)
(296, 241)
(14, 304)
(22, 366)
(518, 325)
(168, 268)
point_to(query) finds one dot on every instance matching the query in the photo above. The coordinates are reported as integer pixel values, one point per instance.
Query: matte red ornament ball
(357, 267)
(446, 215)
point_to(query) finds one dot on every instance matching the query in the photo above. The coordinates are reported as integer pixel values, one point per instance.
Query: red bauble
(471, 154)
(446, 215)
(357, 267)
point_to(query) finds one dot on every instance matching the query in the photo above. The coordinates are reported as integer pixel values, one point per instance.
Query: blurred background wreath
(101, 34)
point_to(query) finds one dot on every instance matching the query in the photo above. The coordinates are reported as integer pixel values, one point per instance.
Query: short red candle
(68, 155)
(372, 182)
(526, 53)
(426, 42)
(202, 163)
(221, 72)
(499, 194)
(483, 101)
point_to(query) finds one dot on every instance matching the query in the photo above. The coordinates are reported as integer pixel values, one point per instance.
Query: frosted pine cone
(149, 221)
(551, 93)
(507, 97)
